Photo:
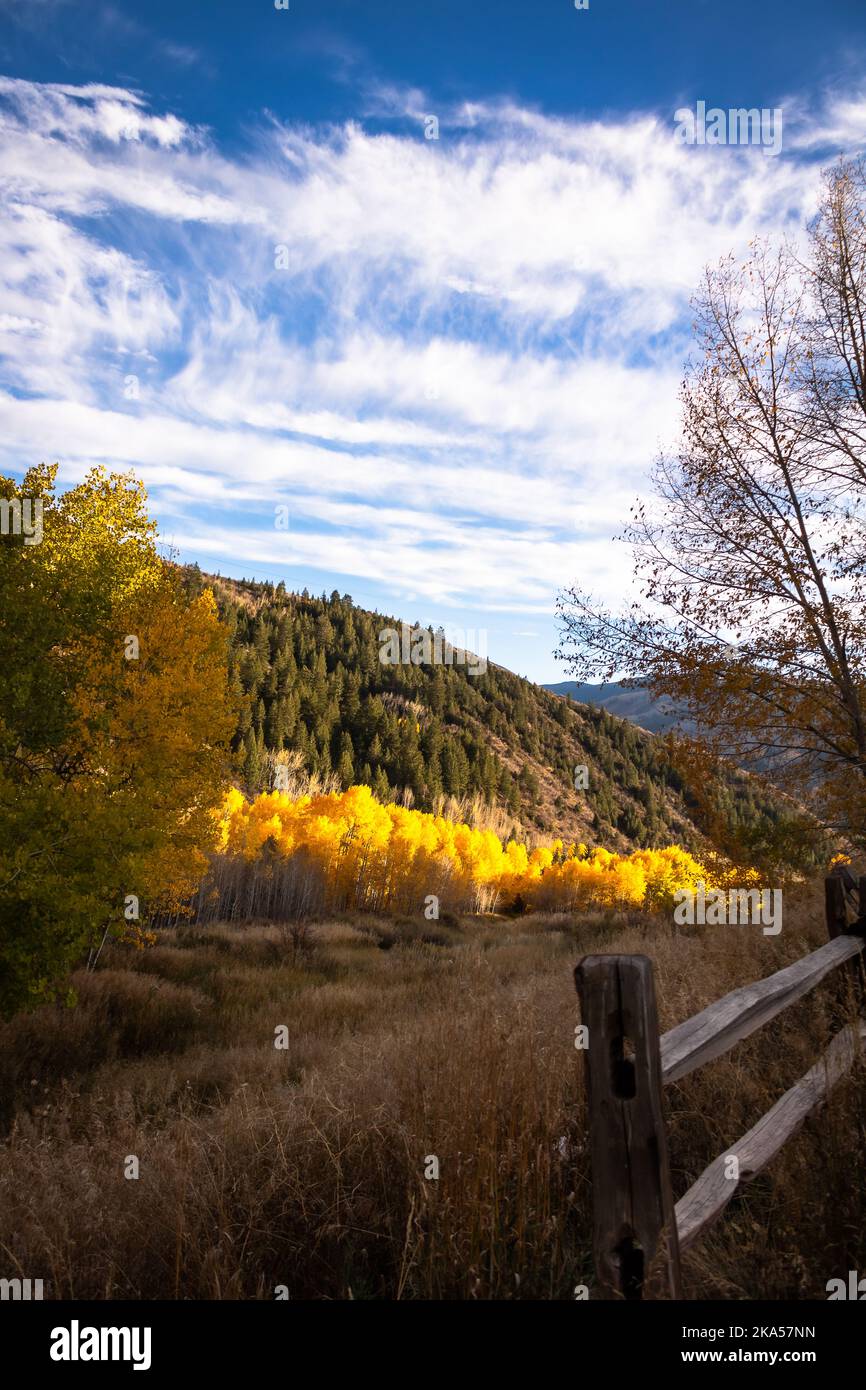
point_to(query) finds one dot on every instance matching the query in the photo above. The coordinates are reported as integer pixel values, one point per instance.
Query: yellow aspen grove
(387, 857)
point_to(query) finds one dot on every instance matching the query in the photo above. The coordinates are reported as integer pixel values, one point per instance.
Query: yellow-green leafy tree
(114, 720)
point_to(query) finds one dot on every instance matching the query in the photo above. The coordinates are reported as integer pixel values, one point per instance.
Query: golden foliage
(390, 857)
(115, 716)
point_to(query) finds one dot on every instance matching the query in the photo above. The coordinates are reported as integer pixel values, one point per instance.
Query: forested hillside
(308, 677)
(632, 702)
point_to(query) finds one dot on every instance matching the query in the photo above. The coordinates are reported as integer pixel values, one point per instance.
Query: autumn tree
(114, 715)
(749, 554)
(834, 374)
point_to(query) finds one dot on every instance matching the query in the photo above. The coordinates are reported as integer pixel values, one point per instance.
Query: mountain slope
(309, 678)
(633, 702)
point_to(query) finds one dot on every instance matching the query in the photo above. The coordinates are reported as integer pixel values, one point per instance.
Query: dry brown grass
(407, 1038)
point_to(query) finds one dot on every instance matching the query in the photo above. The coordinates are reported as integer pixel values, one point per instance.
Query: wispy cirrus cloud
(453, 358)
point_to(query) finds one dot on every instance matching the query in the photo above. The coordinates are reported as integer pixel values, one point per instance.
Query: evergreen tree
(252, 762)
(346, 765)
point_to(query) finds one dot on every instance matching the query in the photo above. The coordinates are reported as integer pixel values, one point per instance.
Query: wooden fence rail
(638, 1232)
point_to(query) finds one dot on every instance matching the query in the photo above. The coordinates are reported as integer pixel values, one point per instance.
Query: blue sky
(232, 259)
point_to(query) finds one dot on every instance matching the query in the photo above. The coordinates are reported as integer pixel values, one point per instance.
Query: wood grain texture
(835, 906)
(723, 1024)
(634, 1229)
(709, 1196)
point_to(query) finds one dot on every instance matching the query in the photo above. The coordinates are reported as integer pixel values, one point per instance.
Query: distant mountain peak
(632, 702)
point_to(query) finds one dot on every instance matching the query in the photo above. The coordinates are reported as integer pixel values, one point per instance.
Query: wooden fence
(638, 1232)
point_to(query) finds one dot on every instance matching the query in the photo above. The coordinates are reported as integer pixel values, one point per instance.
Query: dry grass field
(305, 1167)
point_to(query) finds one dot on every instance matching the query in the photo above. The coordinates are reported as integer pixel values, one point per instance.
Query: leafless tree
(750, 553)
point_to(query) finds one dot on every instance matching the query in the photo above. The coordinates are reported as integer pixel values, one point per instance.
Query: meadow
(303, 1168)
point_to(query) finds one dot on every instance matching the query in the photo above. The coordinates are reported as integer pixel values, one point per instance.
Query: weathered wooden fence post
(634, 1228)
(840, 887)
(834, 901)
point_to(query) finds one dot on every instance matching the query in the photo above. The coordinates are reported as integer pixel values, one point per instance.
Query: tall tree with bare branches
(750, 553)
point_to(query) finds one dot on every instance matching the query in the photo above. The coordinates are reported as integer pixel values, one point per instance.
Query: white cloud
(78, 114)
(460, 379)
(839, 127)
